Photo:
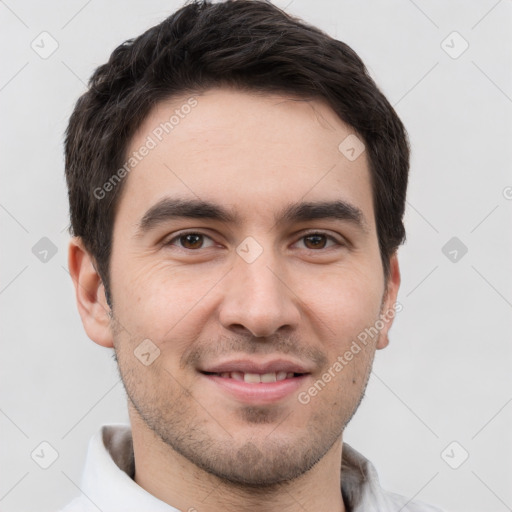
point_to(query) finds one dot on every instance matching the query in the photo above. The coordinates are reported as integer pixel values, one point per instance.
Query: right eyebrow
(172, 208)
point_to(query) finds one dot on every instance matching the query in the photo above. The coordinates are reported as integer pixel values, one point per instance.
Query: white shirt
(107, 483)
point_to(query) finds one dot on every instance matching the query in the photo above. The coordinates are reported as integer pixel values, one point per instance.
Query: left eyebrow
(337, 210)
(172, 208)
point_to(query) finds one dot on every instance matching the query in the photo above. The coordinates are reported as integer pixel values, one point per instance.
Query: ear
(90, 294)
(390, 308)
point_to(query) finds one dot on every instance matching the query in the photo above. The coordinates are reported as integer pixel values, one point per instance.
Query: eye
(190, 241)
(193, 241)
(316, 241)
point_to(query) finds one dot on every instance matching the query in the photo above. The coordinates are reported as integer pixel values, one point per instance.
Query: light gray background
(446, 375)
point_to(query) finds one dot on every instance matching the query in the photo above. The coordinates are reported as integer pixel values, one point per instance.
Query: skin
(195, 446)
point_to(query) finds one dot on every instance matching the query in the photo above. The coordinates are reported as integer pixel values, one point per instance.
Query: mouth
(256, 384)
(256, 378)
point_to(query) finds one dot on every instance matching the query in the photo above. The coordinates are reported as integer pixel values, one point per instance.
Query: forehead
(244, 150)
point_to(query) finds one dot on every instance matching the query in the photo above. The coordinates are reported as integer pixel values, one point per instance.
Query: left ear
(390, 307)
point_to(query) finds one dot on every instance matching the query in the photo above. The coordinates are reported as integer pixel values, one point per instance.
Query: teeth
(268, 377)
(254, 378)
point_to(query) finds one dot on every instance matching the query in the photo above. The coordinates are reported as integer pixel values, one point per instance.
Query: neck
(175, 480)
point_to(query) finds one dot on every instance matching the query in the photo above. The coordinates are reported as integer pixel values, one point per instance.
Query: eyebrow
(175, 208)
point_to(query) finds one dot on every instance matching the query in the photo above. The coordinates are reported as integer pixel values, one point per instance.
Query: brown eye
(191, 241)
(319, 241)
(316, 241)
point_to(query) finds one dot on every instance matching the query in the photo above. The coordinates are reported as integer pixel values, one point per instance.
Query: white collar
(107, 482)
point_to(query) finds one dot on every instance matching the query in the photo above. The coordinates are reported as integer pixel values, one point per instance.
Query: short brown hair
(247, 44)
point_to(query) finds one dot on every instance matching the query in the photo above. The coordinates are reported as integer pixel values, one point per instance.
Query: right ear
(90, 294)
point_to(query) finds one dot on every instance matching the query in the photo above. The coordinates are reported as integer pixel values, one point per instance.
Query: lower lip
(264, 392)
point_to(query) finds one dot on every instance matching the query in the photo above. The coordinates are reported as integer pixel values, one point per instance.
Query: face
(245, 244)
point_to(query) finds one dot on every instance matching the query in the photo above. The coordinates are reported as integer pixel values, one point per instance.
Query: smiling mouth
(256, 378)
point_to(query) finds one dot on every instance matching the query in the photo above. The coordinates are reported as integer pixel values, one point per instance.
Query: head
(237, 184)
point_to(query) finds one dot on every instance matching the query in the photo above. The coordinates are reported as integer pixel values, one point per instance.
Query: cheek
(345, 303)
(159, 300)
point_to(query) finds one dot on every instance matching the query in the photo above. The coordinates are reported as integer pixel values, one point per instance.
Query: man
(237, 184)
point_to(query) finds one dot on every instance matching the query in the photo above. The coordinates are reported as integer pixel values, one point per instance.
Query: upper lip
(251, 366)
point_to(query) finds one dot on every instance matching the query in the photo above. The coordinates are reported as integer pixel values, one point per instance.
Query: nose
(259, 298)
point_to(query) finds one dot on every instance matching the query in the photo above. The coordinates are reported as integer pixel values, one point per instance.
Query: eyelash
(312, 233)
